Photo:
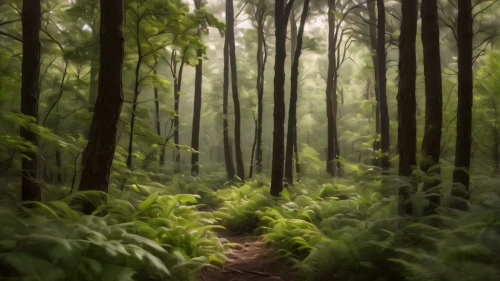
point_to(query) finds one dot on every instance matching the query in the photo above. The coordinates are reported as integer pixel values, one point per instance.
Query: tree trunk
(431, 145)
(281, 19)
(373, 43)
(98, 155)
(158, 125)
(195, 135)
(30, 93)
(331, 96)
(382, 84)
(261, 64)
(234, 85)
(177, 98)
(228, 157)
(464, 109)
(292, 112)
(407, 132)
(252, 158)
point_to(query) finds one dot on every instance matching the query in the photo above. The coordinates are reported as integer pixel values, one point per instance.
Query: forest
(342, 140)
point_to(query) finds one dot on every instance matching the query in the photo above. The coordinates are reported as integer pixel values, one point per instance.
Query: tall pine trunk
(98, 155)
(407, 131)
(30, 93)
(195, 135)
(431, 145)
(234, 85)
(292, 112)
(228, 156)
(464, 110)
(261, 64)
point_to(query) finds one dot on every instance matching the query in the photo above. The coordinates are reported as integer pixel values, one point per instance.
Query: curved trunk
(100, 149)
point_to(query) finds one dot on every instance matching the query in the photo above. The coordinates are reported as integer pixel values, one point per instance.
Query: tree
(195, 135)
(464, 109)
(282, 13)
(234, 87)
(431, 145)
(228, 156)
(407, 131)
(99, 152)
(382, 84)
(292, 113)
(30, 189)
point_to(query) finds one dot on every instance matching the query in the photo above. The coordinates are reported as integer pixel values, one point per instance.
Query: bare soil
(250, 259)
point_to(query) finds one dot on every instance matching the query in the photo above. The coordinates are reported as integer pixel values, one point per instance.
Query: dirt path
(250, 259)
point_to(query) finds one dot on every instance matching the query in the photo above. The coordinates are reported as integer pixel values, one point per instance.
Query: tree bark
(292, 112)
(464, 110)
(228, 157)
(234, 85)
(30, 93)
(195, 135)
(373, 42)
(158, 125)
(98, 155)
(407, 132)
(382, 84)
(331, 94)
(177, 98)
(281, 19)
(431, 145)
(261, 64)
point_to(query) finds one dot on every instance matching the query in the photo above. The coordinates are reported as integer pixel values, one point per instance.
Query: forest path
(250, 259)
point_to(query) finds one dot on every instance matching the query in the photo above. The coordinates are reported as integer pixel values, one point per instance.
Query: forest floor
(250, 259)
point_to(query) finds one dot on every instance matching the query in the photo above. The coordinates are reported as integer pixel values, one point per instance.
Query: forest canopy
(249, 140)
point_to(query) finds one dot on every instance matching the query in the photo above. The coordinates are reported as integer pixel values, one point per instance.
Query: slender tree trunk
(407, 132)
(177, 98)
(261, 64)
(30, 93)
(464, 110)
(431, 145)
(250, 174)
(331, 98)
(293, 41)
(195, 135)
(373, 43)
(228, 157)
(281, 19)
(158, 125)
(99, 152)
(137, 91)
(382, 84)
(292, 112)
(234, 85)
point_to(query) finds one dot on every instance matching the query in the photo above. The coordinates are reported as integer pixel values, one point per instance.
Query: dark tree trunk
(293, 35)
(431, 145)
(158, 125)
(30, 93)
(281, 19)
(195, 135)
(373, 43)
(234, 85)
(252, 158)
(464, 110)
(331, 93)
(261, 64)
(137, 91)
(407, 132)
(98, 155)
(292, 112)
(382, 84)
(177, 98)
(228, 157)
